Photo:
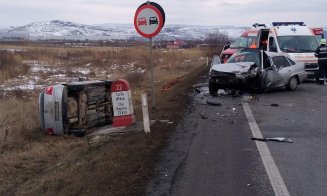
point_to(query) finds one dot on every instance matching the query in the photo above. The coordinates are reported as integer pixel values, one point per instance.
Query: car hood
(236, 68)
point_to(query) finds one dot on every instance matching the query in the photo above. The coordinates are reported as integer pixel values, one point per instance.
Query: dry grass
(35, 164)
(19, 123)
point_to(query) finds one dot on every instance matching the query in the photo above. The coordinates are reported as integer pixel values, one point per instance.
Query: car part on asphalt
(275, 139)
(213, 102)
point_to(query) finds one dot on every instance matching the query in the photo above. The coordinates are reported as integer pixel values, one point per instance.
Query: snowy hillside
(57, 29)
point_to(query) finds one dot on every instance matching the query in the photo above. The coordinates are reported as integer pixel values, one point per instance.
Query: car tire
(213, 89)
(292, 83)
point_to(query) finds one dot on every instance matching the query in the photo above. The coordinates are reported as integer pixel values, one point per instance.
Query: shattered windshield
(297, 44)
(251, 56)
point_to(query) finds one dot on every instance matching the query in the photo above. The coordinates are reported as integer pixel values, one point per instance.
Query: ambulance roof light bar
(258, 25)
(287, 23)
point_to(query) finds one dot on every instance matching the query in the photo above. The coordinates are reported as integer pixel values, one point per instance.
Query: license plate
(311, 73)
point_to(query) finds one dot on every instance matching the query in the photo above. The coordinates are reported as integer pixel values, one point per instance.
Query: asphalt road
(211, 152)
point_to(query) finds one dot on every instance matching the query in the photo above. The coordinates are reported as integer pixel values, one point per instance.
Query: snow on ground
(13, 50)
(42, 74)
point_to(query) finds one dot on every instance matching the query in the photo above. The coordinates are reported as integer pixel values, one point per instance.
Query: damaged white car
(74, 107)
(254, 70)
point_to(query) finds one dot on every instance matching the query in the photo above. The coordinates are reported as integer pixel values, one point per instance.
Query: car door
(272, 77)
(283, 67)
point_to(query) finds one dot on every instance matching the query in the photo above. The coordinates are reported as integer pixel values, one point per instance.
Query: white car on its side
(76, 106)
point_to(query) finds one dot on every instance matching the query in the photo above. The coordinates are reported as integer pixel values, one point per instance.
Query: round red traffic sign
(148, 20)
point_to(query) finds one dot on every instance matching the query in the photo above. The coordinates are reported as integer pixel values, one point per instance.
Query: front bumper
(312, 69)
(312, 73)
(230, 81)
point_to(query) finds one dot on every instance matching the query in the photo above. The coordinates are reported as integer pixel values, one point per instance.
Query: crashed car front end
(234, 76)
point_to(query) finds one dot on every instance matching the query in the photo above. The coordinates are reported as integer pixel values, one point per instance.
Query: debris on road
(197, 90)
(273, 104)
(203, 116)
(213, 102)
(248, 97)
(275, 139)
(152, 122)
(199, 85)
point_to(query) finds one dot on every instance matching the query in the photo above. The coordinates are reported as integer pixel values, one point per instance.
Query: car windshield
(251, 56)
(243, 42)
(297, 44)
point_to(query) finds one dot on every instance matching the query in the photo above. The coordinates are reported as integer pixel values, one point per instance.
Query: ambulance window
(272, 44)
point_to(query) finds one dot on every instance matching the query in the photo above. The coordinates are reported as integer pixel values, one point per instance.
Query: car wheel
(292, 83)
(213, 89)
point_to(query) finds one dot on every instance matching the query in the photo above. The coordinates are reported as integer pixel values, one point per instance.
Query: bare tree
(215, 42)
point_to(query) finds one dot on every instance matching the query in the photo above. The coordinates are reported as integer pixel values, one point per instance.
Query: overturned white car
(255, 70)
(74, 107)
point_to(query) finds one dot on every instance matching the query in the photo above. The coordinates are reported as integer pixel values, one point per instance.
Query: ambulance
(297, 41)
(254, 37)
(319, 33)
(294, 39)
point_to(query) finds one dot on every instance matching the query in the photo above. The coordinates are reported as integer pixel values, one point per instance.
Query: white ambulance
(296, 40)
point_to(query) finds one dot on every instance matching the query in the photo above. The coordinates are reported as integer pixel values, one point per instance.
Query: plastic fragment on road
(275, 139)
(152, 122)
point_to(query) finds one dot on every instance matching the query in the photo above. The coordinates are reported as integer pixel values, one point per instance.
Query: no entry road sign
(149, 19)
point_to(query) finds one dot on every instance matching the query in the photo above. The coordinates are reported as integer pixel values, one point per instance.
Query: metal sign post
(148, 21)
(153, 94)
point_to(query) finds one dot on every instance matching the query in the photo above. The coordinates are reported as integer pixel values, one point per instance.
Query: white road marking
(275, 178)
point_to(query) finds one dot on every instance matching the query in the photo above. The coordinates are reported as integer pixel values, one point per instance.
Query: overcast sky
(191, 12)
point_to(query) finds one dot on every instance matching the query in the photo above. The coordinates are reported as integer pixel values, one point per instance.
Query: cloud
(194, 12)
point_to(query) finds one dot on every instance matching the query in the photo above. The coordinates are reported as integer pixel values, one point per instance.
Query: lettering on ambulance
(304, 58)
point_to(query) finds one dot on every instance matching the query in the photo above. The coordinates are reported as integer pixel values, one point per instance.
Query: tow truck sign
(149, 19)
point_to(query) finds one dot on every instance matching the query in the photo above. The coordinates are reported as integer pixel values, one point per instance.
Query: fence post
(145, 111)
